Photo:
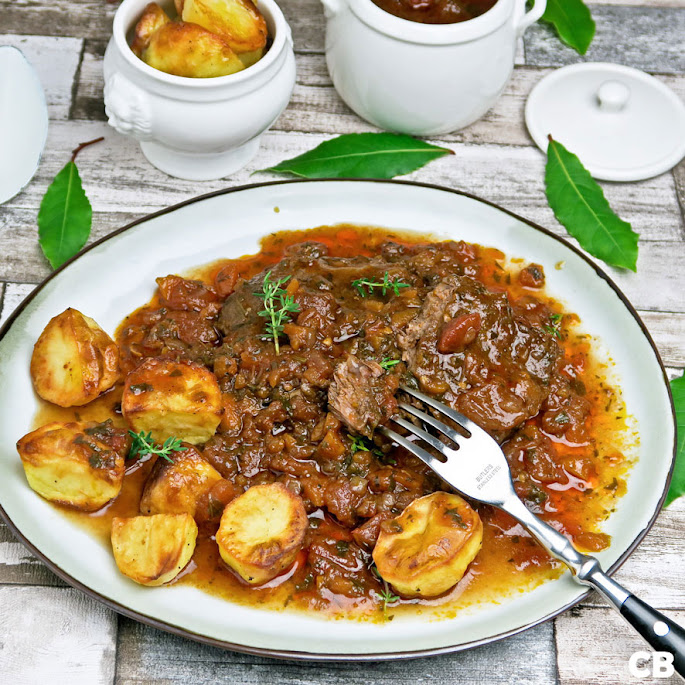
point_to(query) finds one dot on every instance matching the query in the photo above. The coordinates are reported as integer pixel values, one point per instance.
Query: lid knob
(613, 96)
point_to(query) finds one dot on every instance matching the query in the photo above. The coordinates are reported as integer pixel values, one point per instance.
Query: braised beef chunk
(467, 345)
(361, 395)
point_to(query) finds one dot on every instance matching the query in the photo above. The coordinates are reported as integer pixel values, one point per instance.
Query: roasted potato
(175, 487)
(425, 551)
(261, 532)
(154, 17)
(152, 550)
(238, 22)
(70, 463)
(73, 360)
(169, 398)
(185, 49)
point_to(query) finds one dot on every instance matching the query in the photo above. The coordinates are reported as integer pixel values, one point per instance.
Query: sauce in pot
(436, 11)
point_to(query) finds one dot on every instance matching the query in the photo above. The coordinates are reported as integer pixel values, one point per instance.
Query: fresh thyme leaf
(677, 488)
(388, 363)
(554, 326)
(572, 21)
(143, 444)
(386, 284)
(362, 155)
(579, 204)
(360, 444)
(385, 594)
(278, 306)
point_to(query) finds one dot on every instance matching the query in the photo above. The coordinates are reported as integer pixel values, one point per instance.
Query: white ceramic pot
(422, 79)
(197, 128)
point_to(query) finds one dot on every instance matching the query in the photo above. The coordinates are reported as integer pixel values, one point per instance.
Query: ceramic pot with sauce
(419, 78)
(197, 128)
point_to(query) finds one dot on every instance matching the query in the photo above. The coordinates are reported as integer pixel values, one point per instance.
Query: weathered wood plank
(679, 175)
(55, 635)
(19, 567)
(668, 331)
(14, 294)
(81, 18)
(55, 61)
(148, 656)
(594, 646)
(649, 38)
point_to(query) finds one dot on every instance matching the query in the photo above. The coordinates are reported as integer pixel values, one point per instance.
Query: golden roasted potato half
(169, 398)
(152, 550)
(73, 360)
(261, 532)
(174, 487)
(426, 549)
(238, 22)
(68, 463)
(154, 17)
(184, 49)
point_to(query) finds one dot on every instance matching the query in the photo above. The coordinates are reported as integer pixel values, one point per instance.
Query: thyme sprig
(386, 595)
(360, 444)
(143, 445)
(388, 363)
(385, 285)
(554, 326)
(278, 306)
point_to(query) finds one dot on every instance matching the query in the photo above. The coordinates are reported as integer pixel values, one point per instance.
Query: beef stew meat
(370, 309)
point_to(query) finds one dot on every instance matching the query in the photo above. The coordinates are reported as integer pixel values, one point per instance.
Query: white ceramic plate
(116, 275)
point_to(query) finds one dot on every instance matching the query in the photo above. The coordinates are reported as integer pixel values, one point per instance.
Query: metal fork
(477, 468)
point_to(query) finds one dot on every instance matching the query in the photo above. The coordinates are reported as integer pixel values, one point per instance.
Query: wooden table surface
(52, 633)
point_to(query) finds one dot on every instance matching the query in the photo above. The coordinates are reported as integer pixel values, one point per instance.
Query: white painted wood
(14, 294)
(55, 635)
(648, 38)
(594, 646)
(147, 656)
(55, 61)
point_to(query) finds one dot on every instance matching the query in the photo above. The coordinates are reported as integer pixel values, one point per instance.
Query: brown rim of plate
(317, 656)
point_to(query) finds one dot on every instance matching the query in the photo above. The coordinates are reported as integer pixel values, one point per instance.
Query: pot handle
(127, 108)
(530, 17)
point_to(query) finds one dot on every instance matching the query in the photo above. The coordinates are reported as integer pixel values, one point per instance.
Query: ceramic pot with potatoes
(198, 82)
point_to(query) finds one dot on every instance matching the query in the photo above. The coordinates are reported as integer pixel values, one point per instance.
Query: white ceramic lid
(23, 122)
(623, 124)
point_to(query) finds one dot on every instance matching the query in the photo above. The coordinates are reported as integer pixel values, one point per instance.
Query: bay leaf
(64, 217)
(677, 488)
(579, 204)
(362, 155)
(572, 21)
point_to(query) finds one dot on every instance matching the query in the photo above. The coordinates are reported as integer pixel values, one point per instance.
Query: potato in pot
(73, 360)
(75, 464)
(425, 551)
(174, 487)
(238, 22)
(169, 398)
(152, 550)
(262, 531)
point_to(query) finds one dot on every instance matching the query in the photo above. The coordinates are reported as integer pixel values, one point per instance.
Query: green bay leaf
(579, 204)
(677, 488)
(65, 217)
(362, 155)
(572, 21)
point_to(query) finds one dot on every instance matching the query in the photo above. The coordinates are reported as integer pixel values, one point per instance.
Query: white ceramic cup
(197, 128)
(422, 79)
